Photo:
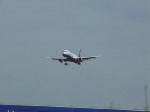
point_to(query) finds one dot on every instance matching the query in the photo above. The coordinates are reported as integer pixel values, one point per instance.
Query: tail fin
(80, 53)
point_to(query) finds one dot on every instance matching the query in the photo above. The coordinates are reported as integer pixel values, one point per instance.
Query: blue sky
(32, 30)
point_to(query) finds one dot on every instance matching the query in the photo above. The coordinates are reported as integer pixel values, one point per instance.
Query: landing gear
(66, 63)
(79, 63)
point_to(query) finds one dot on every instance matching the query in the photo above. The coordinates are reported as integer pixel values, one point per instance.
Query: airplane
(70, 57)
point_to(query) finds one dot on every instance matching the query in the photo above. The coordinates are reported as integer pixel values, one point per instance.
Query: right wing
(59, 59)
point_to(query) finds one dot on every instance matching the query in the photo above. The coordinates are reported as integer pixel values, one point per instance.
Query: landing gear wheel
(79, 63)
(66, 63)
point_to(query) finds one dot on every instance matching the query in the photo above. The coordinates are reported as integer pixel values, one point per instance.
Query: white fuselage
(71, 57)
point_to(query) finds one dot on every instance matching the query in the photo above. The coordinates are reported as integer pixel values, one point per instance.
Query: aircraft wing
(91, 57)
(59, 59)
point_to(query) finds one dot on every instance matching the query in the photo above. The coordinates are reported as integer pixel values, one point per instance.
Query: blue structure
(18, 108)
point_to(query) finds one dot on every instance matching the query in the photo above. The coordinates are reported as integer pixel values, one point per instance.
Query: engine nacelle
(80, 59)
(60, 60)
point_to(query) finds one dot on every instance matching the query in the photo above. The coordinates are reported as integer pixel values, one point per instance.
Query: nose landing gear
(79, 63)
(66, 63)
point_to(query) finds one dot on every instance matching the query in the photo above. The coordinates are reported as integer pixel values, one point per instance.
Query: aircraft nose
(64, 54)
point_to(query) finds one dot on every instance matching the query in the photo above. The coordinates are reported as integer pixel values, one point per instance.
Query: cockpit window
(66, 51)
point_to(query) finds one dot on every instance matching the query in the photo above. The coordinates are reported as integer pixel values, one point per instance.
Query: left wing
(91, 57)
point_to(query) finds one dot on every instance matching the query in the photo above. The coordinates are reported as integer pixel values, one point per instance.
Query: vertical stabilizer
(80, 53)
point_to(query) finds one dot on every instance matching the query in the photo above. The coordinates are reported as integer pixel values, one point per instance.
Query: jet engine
(60, 60)
(80, 59)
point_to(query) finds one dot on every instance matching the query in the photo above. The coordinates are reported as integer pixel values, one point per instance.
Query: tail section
(80, 53)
